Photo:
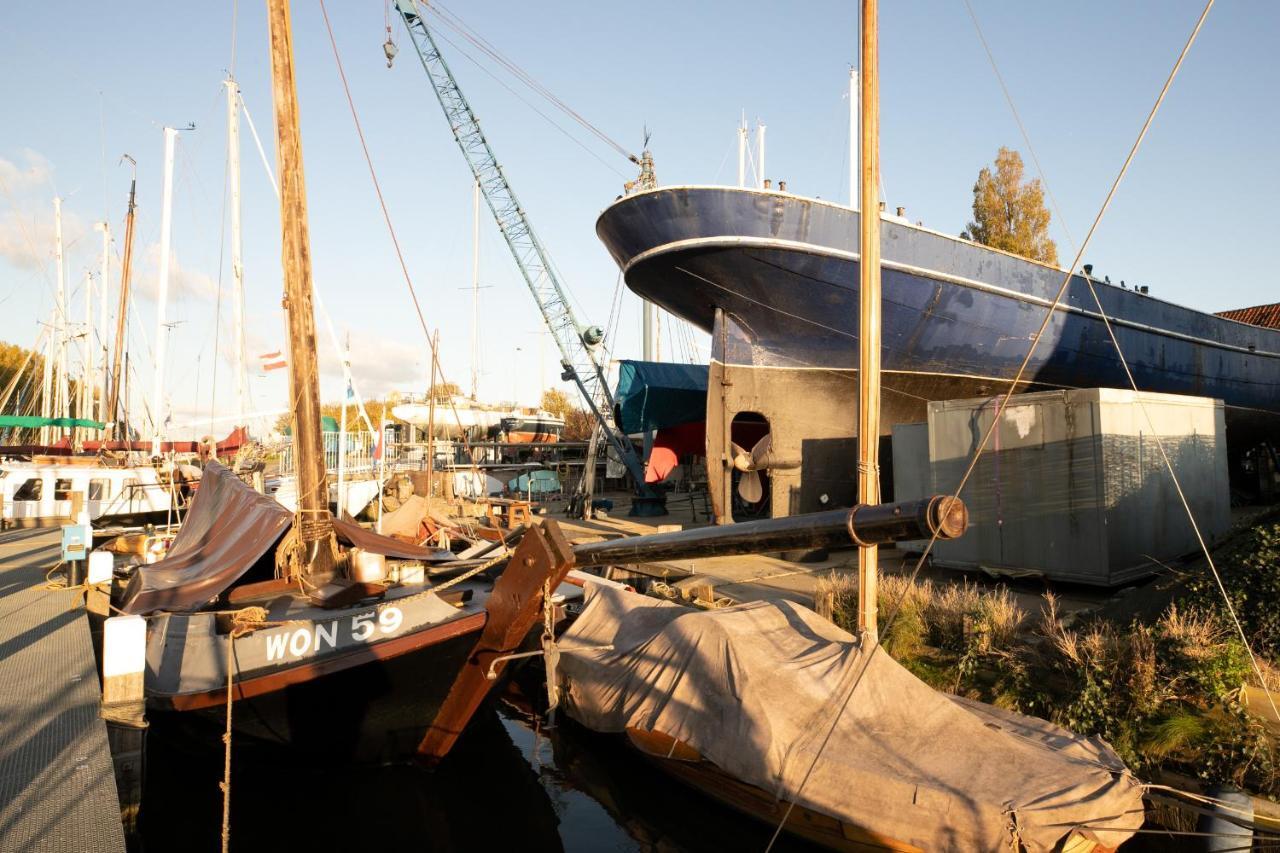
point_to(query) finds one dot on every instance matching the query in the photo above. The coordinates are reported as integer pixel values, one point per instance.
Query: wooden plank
(543, 558)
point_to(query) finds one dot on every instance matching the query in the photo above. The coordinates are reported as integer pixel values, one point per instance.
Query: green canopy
(33, 422)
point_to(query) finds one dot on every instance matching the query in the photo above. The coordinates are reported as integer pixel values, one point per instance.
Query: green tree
(1009, 213)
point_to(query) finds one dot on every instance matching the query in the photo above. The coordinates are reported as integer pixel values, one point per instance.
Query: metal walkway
(57, 787)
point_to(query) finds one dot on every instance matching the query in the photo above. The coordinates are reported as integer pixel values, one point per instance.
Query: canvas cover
(228, 529)
(751, 689)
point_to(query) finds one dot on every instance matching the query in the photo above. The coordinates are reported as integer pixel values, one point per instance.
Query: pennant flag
(377, 450)
(272, 361)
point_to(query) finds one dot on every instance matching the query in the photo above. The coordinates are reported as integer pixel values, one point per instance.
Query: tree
(1009, 214)
(578, 423)
(443, 391)
(556, 402)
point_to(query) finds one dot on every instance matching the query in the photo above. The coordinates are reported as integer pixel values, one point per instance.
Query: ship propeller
(760, 458)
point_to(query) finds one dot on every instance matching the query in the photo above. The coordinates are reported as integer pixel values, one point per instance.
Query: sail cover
(755, 688)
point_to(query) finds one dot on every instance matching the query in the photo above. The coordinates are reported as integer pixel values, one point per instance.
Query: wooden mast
(314, 524)
(869, 312)
(126, 267)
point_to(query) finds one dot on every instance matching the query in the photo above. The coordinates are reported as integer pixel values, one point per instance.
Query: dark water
(504, 785)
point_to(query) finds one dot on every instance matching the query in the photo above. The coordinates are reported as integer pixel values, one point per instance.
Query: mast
(431, 416)
(122, 313)
(237, 262)
(87, 380)
(46, 388)
(475, 291)
(742, 151)
(760, 154)
(342, 431)
(853, 136)
(105, 277)
(869, 314)
(162, 331)
(63, 392)
(315, 524)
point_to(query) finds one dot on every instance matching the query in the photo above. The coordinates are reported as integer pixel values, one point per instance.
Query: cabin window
(62, 490)
(99, 489)
(31, 490)
(129, 488)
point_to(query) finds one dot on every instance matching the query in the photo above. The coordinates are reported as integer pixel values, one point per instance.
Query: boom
(579, 346)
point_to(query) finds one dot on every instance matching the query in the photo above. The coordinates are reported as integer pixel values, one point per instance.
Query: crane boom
(579, 346)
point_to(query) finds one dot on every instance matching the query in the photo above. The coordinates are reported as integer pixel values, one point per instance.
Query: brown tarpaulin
(229, 528)
(356, 536)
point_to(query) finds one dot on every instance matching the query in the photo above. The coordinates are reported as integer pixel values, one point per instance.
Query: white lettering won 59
(317, 638)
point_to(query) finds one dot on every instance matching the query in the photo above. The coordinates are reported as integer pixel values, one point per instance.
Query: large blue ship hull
(958, 318)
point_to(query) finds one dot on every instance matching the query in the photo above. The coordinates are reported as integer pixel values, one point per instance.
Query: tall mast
(105, 278)
(742, 152)
(85, 405)
(475, 291)
(64, 404)
(46, 388)
(853, 137)
(162, 330)
(237, 262)
(760, 154)
(122, 313)
(315, 524)
(869, 313)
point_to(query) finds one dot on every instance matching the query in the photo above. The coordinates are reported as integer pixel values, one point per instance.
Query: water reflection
(507, 783)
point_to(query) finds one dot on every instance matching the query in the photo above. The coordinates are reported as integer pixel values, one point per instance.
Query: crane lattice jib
(578, 359)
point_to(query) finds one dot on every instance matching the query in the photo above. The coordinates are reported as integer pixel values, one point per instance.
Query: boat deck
(57, 786)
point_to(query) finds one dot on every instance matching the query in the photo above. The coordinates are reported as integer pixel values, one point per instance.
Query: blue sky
(1194, 219)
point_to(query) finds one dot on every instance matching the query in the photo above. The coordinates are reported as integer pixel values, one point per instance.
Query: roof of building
(1267, 316)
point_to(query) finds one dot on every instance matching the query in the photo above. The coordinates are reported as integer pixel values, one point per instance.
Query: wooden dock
(57, 787)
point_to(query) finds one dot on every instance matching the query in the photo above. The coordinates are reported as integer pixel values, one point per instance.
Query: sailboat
(308, 630)
(775, 711)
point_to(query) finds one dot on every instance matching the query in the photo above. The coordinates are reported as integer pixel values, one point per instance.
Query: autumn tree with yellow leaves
(1008, 213)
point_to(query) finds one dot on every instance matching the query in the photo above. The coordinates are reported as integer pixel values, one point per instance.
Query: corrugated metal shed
(1267, 316)
(1072, 485)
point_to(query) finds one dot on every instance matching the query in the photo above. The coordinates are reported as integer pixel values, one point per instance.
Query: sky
(1194, 219)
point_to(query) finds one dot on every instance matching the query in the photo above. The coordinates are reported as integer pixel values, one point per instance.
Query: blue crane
(580, 346)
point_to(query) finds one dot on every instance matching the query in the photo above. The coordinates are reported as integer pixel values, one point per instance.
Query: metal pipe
(879, 524)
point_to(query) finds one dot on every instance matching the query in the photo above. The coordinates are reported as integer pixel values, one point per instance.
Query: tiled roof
(1259, 315)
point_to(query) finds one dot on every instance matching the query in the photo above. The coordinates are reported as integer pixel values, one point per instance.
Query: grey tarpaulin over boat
(750, 688)
(229, 528)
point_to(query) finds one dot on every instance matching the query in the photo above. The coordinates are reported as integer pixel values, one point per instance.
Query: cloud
(378, 363)
(18, 178)
(183, 282)
(27, 241)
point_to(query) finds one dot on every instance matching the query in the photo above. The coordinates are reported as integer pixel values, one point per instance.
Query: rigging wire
(395, 242)
(1195, 527)
(1026, 137)
(1004, 401)
(530, 105)
(459, 26)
